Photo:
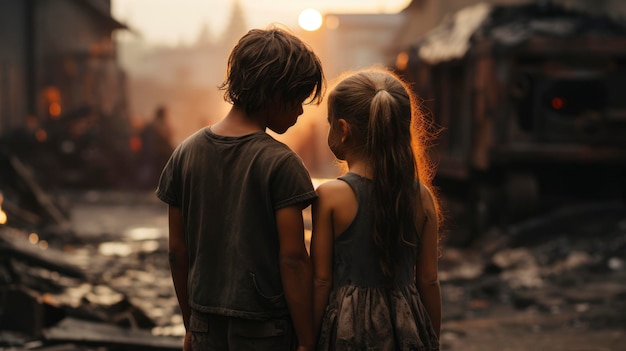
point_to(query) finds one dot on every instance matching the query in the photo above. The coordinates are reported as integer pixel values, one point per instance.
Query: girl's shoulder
(428, 204)
(426, 195)
(335, 193)
(332, 188)
(337, 203)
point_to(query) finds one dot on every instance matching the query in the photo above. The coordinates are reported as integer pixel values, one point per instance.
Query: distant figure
(375, 241)
(156, 141)
(237, 252)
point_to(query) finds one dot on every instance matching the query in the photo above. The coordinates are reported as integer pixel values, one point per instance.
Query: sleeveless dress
(366, 311)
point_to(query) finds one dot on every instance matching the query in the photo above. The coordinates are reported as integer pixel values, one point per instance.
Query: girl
(375, 230)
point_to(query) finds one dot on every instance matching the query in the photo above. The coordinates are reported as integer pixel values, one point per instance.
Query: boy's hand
(187, 342)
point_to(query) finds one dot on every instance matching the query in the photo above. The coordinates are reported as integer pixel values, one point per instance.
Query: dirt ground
(554, 282)
(590, 316)
(539, 289)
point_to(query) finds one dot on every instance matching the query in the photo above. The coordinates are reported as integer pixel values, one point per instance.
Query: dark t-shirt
(228, 189)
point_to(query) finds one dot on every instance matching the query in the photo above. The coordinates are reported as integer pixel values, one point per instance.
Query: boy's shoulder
(260, 144)
(273, 146)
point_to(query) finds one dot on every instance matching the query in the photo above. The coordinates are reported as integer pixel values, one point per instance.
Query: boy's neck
(237, 123)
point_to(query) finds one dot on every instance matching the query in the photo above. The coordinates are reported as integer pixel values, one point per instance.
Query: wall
(13, 90)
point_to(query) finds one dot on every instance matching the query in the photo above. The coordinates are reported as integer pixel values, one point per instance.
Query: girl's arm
(426, 277)
(322, 253)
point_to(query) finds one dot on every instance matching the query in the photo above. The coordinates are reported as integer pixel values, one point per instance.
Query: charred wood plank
(42, 199)
(22, 250)
(27, 200)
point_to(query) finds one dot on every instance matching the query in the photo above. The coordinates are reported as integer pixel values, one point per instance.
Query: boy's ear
(345, 129)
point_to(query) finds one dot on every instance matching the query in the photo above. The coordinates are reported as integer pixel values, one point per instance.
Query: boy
(239, 264)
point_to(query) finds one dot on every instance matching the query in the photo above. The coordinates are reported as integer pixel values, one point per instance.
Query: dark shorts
(216, 332)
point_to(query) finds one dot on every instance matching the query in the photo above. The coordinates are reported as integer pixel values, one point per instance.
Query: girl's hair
(391, 133)
(268, 62)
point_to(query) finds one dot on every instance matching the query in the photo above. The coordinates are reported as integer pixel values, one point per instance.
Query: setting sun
(186, 18)
(310, 20)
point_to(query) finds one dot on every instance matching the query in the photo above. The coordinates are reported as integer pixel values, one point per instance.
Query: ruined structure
(531, 101)
(62, 92)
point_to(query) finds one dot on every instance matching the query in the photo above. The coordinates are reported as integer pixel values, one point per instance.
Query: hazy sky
(175, 21)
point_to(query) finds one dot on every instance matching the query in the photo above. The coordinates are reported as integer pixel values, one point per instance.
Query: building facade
(58, 56)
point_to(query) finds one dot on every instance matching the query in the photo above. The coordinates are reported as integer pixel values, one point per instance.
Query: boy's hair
(269, 63)
(391, 133)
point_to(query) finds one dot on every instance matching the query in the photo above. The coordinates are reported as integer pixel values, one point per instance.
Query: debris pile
(570, 262)
(57, 292)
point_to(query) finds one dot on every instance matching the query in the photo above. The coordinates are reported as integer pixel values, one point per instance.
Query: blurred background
(527, 99)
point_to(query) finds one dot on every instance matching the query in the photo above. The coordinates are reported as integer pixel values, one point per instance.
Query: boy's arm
(179, 260)
(295, 270)
(321, 256)
(426, 271)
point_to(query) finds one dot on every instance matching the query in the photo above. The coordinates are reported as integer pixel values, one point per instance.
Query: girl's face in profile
(335, 135)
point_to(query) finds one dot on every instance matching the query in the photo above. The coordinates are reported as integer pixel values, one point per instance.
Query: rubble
(57, 290)
(561, 267)
(48, 299)
(108, 287)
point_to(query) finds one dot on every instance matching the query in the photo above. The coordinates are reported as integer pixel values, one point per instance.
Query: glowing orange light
(48, 299)
(557, 103)
(3, 215)
(52, 99)
(135, 144)
(33, 238)
(41, 135)
(402, 61)
(52, 94)
(54, 109)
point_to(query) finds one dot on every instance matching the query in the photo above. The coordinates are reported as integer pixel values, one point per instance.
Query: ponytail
(381, 111)
(389, 150)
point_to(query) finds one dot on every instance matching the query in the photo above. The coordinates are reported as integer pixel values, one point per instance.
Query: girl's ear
(345, 129)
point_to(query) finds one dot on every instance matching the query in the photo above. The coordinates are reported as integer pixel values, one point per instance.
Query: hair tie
(379, 90)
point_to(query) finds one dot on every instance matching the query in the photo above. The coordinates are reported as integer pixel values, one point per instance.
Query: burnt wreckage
(48, 299)
(532, 104)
